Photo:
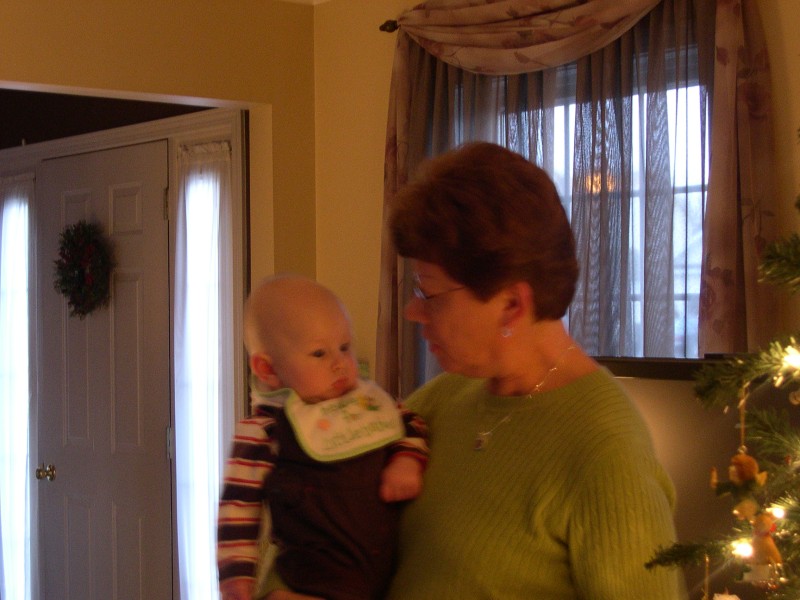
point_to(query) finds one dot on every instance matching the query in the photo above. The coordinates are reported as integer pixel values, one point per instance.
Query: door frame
(195, 128)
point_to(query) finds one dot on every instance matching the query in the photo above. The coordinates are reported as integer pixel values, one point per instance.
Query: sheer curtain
(204, 364)
(501, 71)
(15, 467)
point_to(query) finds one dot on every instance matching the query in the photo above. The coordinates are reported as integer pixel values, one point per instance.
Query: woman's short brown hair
(489, 218)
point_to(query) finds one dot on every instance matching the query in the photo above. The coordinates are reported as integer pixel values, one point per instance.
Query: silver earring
(505, 332)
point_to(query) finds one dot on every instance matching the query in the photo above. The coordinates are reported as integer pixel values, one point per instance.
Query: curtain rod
(389, 26)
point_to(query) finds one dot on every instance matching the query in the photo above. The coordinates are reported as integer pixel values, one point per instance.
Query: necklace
(482, 438)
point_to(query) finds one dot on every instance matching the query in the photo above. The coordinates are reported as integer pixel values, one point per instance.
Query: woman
(542, 481)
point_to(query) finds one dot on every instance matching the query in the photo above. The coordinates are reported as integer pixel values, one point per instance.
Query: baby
(331, 456)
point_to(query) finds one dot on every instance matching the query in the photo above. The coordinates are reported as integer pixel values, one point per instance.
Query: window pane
(198, 443)
(688, 171)
(14, 394)
(204, 357)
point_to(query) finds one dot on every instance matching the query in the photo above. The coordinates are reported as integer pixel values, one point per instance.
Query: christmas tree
(762, 548)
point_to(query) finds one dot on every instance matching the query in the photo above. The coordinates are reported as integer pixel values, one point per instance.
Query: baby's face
(316, 358)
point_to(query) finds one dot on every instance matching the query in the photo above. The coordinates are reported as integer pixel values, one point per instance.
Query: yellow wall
(247, 53)
(353, 62)
(780, 19)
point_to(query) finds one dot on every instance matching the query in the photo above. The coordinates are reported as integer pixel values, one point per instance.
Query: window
(631, 164)
(629, 153)
(204, 358)
(689, 172)
(15, 567)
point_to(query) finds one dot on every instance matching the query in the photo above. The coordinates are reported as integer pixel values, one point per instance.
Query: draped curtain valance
(518, 36)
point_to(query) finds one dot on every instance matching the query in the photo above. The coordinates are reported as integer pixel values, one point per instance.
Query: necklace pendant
(482, 440)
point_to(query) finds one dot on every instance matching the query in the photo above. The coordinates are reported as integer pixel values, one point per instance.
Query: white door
(103, 383)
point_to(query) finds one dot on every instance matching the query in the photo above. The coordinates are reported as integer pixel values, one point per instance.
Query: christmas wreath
(83, 268)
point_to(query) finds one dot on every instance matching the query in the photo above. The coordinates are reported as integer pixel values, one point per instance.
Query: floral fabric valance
(518, 36)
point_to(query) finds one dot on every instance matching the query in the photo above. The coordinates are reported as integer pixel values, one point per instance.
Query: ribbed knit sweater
(567, 500)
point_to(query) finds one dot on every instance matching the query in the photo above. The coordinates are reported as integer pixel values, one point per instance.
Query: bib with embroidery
(358, 422)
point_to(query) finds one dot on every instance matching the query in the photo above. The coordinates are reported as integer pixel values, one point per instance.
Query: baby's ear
(261, 366)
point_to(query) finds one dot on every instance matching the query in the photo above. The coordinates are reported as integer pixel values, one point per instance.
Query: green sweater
(566, 501)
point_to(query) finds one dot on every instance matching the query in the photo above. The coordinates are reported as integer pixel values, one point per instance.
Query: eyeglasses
(423, 296)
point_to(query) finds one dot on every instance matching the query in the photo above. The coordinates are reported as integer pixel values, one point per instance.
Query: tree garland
(83, 268)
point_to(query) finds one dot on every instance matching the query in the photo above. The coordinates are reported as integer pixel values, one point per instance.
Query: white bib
(358, 422)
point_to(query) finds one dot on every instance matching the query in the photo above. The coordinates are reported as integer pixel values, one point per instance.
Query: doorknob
(48, 472)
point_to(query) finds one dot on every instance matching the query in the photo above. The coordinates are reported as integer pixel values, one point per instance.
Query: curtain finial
(389, 26)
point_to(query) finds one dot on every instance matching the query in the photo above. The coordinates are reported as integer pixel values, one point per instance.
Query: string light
(777, 511)
(790, 364)
(792, 358)
(742, 548)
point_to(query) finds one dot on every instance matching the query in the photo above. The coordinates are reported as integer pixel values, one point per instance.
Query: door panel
(104, 384)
